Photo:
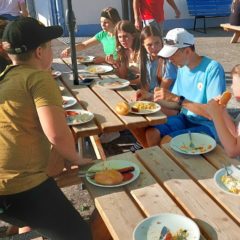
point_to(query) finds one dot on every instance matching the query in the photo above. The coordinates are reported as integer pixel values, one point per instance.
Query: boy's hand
(164, 94)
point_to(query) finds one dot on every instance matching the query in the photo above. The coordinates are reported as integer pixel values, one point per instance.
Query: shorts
(180, 124)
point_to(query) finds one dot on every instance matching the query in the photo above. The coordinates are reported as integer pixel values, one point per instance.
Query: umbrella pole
(71, 22)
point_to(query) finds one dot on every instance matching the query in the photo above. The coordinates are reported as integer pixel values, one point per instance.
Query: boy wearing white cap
(199, 79)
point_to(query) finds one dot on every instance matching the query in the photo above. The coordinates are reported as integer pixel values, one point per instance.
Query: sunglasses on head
(173, 42)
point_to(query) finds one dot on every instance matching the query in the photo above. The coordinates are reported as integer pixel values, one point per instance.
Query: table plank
(213, 221)
(202, 172)
(82, 130)
(111, 98)
(119, 213)
(106, 120)
(127, 94)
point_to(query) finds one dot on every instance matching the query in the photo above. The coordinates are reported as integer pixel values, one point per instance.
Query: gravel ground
(215, 44)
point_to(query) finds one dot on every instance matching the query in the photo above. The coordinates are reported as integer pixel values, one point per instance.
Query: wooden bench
(202, 9)
(233, 28)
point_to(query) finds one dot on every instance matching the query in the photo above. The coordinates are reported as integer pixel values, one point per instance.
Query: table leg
(235, 37)
(80, 146)
(98, 227)
(98, 148)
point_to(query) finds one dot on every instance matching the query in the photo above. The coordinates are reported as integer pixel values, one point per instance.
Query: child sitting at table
(32, 119)
(128, 45)
(109, 18)
(154, 71)
(228, 130)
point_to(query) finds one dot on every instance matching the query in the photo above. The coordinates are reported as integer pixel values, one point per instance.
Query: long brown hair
(111, 14)
(148, 31)
(128, 27)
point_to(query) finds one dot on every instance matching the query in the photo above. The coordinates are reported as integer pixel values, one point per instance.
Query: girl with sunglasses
(109, 18)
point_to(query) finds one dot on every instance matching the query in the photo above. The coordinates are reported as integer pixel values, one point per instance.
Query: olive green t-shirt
(24, 149)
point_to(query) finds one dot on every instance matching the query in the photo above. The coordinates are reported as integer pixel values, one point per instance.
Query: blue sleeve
(170, 73)
(216, 83)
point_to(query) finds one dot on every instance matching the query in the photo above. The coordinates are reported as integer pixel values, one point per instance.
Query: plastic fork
(191, 145)
(226, 169)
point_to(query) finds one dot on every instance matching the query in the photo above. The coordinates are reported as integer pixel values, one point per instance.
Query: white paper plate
(150, 228)
(70, 101)
(181, 143)
(85, 59)
(113, 83)
(81, 117)
(114, 164)
(99, 69)
(156, 108)
(56, 74)
(217, 178)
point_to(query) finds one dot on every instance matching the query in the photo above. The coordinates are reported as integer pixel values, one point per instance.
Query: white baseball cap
(175, 39)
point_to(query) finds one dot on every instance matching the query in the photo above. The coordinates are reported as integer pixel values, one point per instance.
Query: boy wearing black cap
(32, 118)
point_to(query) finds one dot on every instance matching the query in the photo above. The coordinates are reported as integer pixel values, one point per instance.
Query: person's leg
(46, 209)
(156, 133)
(140, 135)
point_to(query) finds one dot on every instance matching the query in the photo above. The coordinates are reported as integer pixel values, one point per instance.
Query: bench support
(204, 23)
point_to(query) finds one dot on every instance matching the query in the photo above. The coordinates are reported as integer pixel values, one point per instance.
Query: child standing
(32, 119)
(228, 130)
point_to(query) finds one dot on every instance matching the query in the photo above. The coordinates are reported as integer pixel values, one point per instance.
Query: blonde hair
(236, 70)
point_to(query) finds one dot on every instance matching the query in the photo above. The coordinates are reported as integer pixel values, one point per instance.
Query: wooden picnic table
(233, 28)
(101, 102)
(169, 182)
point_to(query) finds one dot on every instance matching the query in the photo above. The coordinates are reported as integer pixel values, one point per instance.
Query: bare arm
(137, 15)
(174, 7)
(23, 9)
(80, 46)
(225, 128)
(164, 94)
(54, 125)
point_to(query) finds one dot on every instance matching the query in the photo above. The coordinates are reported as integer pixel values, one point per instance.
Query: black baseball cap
(27, 34)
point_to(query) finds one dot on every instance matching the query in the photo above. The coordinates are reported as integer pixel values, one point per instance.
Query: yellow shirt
(24, 149)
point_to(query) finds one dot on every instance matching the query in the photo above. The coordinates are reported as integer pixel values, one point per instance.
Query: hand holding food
(226, 96)
(122, 108)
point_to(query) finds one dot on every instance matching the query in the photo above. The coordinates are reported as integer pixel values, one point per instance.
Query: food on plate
(181, 234)
(200, 148)
(70, 113)
(113, 176)
(108, 177)
(122, 108)
(76, 117)
(226, 96)
(231, 183)
(115, 83)
(139, 106)
(96, 69)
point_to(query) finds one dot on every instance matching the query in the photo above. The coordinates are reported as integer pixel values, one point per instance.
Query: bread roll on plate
(108, 177)
(122, 108)
(226, 96)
